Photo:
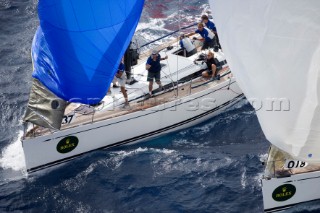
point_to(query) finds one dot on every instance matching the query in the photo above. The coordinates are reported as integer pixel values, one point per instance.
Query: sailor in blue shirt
(210, 25)
(207, 36)
(154, 67)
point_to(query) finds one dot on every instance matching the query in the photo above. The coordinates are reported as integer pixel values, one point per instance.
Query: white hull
(299, 188)
(42, 152)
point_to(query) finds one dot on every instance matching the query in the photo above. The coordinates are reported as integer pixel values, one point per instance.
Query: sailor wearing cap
(154, 70)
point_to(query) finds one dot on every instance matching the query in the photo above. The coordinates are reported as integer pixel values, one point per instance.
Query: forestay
(273, 49)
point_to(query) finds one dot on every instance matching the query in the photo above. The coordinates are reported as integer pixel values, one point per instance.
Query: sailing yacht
(76, 53)
(273, 49)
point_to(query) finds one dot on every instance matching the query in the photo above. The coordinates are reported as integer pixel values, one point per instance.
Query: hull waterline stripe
(276, 209)
(140, 137)
(289, 181)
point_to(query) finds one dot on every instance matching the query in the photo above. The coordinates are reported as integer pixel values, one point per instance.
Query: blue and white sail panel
(86, 40)
(43, 61)
(273, 49)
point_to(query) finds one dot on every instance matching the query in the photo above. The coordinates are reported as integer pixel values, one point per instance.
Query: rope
(172, 82)
(232, 89)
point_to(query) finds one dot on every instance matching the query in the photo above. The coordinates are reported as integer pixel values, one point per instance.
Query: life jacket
(188, 44)
(210, 33)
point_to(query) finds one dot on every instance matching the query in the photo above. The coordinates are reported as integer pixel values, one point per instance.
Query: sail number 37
(67, 119)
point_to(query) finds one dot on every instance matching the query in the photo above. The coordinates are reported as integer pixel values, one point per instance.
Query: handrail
(182, 28)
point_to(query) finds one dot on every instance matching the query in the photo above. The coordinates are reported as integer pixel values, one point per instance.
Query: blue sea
(211, 167)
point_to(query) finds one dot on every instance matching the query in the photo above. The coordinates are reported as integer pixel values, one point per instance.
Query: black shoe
(133, 81)
(218, 77)
(148, 96)
(97, 104)
(115, 86)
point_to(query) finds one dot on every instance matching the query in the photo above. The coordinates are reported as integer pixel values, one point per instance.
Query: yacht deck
(85, 114)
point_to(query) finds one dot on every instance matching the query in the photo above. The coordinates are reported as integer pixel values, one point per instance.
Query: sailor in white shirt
(187, 45)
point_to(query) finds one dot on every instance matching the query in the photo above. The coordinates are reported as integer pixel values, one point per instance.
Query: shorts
(122, 80)
(207, 44)
(153, 75)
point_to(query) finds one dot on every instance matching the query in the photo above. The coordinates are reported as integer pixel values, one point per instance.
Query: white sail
(273, 49)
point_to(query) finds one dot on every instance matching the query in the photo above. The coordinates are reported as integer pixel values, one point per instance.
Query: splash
(244, 178)
(12, 156)
(118, 157)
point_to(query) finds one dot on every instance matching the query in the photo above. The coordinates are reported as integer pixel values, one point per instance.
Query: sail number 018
(292, 164)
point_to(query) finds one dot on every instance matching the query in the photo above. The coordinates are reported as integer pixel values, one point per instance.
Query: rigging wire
(172, 82)
(179, 21)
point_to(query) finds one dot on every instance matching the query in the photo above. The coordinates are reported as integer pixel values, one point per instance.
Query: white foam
(163, 151)
(257, 179)
(244, 178)
(117, 157)
(153, 24)
(263, 157)
(12, 156)
(140, 150)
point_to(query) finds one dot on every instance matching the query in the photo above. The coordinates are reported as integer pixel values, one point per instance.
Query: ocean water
(212, 167)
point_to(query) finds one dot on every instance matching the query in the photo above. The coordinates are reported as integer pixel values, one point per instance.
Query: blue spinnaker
(79, 44)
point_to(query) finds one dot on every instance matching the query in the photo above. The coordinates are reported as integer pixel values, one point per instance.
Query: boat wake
(12, 156)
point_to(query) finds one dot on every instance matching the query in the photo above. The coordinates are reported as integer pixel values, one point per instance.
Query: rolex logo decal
(284, 192)
(67, 144)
